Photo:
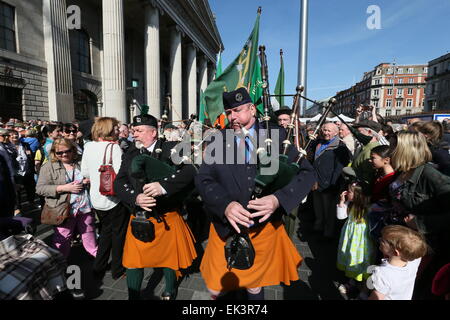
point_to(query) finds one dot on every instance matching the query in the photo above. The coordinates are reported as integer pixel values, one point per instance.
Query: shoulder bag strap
(111, 154)
(104, 154)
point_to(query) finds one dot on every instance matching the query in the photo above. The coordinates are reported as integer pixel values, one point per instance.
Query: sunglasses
(68, 131)
(60, 153)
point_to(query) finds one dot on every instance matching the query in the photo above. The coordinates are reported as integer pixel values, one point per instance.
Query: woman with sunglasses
(61, 178)
(70, 132)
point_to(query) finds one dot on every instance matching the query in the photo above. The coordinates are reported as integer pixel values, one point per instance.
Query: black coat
(329, 164)
(220, 184)
(128, 187)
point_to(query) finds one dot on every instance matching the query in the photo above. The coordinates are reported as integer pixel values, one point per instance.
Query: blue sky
(340, 46)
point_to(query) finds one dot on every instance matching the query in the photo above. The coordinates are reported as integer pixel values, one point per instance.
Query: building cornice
(194, 28)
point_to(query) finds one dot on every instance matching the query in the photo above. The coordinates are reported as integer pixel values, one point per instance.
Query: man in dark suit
(226, 189)
(173, 245)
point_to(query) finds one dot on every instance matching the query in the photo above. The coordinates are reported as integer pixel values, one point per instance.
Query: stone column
(211, 72)
(192, 78)
(152, 61)
(203, 74)
(176, 76)
(114, 87)
(57, 56)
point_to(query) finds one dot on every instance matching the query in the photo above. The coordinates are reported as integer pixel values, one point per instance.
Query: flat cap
(368, 124)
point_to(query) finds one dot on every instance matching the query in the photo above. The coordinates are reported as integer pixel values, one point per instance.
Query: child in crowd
(356, 250)
(380, 157)
(394, 278)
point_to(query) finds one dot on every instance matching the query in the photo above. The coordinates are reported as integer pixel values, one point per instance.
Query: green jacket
(427, 195)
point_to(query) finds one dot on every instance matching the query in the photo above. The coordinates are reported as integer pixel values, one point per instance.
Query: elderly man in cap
(226, 187)
(173, 245)
(368, 135)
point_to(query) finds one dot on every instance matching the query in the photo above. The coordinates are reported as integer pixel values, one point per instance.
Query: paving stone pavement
(319, 277)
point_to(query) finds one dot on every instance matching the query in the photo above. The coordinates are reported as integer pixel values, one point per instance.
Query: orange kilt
(276, 261)
(173, 248)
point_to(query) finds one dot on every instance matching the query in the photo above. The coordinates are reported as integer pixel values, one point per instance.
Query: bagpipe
(148, 169)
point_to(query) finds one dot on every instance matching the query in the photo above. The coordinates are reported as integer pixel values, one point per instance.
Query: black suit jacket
(128, 188)
(220, 184)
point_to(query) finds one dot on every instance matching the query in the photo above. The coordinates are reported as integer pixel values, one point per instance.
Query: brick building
(393, 90)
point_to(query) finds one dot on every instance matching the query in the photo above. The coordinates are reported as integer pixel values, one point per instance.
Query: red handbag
(107, 174)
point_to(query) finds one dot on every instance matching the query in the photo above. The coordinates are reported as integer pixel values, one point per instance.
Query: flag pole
(303, 50)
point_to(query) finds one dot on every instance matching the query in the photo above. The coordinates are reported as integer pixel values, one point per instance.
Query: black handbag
(239, 252)
(142, 229)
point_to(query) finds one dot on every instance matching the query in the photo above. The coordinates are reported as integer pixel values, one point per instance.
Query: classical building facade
(393, 90)
(438, 84)
(77, 59)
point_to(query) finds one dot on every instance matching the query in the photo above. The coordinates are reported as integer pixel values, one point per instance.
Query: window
(433, 105)
(375, 103)
(376, 92)
(399, 92)
(391, 81)
(410, 91)
(411, 80)
(398, 112)
(400, 70)
(377, 81)
(433, 88)
(80, 50)
(7, 27)
(400, 80)
(398, 103)
(389, 92)
(388, 113)
(388, 103)
(409, 102)
(434, 71)
(389, 71)
(410, 70)
(425, 69)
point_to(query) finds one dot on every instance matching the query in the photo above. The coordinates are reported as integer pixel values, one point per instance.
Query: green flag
(256, 89)
(279, 87)
(240, 73)
(219, 65)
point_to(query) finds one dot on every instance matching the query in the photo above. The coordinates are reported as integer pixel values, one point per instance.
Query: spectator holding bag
(113, 216)
(60, 178)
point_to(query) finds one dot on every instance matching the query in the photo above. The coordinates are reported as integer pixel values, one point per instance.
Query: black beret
(236, 98)
(283, 110)
(145, 120)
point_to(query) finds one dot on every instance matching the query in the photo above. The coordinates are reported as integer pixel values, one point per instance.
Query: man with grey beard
(172, 246)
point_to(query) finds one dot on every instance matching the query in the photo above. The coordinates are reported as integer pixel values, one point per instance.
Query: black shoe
(168, 296)
(78, 294)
